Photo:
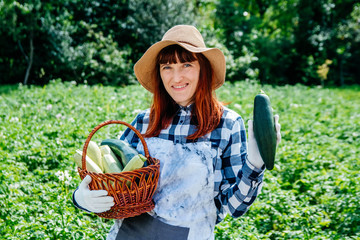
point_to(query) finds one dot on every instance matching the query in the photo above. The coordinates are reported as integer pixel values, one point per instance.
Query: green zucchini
(91, 166)
(123, 151)
(135, 163)
(264, 129)
(94, 153)
(110, 161)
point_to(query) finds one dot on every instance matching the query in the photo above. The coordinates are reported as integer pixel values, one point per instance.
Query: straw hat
(189, 38)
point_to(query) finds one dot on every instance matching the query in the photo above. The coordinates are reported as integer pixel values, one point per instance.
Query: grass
(312, 193)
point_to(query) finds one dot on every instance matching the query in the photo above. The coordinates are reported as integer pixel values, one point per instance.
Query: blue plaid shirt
(237, 181)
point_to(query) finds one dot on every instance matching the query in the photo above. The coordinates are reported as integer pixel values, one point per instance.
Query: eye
(165, 67)
(187, 65)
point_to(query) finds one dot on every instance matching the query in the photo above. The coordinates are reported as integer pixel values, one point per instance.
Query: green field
(312, 193)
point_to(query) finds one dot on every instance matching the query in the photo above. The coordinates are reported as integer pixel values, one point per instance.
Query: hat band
(188, 43)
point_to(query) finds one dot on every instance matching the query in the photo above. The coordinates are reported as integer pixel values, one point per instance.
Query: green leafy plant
(312, 192)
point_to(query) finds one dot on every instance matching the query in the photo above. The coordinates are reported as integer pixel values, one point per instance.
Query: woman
(206, 168)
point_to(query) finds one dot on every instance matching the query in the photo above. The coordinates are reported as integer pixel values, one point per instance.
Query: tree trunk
(30, 59)
(341, 72)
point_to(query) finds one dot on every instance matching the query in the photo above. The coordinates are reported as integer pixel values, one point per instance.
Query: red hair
(207, 110)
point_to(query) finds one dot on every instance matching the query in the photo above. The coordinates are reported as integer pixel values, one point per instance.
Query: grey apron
(184, 200)
(146, 227)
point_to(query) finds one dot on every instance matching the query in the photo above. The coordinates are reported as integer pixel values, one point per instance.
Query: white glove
(96, 201)
(253, 149)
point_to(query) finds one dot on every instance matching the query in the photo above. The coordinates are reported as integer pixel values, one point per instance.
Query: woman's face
(181, 80)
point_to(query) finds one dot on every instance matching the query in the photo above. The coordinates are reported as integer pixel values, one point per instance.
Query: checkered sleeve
(140, 124)
(241, 182)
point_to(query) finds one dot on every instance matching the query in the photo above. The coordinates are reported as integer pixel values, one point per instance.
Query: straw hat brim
(145, 66)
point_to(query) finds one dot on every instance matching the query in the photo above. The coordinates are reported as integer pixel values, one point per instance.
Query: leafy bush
(312, 193)
(99, 60)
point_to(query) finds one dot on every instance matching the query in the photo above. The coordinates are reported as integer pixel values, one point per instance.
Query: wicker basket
(132, 190)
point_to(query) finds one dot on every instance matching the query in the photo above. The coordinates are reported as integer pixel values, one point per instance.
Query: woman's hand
(253, 149)
(96, 201)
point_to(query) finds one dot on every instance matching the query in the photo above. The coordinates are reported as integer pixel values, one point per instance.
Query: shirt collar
(186, 109)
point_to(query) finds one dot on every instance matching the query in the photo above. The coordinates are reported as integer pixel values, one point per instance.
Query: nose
(178, 75)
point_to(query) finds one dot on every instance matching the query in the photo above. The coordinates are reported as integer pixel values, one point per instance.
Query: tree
(93, 41)
(345, 45)
(20, 24)
(149, 20)
(292, 39)
(262, 28)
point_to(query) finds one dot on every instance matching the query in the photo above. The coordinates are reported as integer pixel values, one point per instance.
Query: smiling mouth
(180, 87)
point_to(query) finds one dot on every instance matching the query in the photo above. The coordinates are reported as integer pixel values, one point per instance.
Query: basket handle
(146, 150)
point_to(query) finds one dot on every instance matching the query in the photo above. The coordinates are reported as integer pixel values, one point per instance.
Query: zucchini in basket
(110, 161)
(123, 151)
(91, 166)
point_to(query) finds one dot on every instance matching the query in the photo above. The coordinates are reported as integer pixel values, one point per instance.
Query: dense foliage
(277, 42)
(312, 193)
(296, 41)
(82, 41)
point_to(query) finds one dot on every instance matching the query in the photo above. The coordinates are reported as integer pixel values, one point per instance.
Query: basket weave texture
(133, 190)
